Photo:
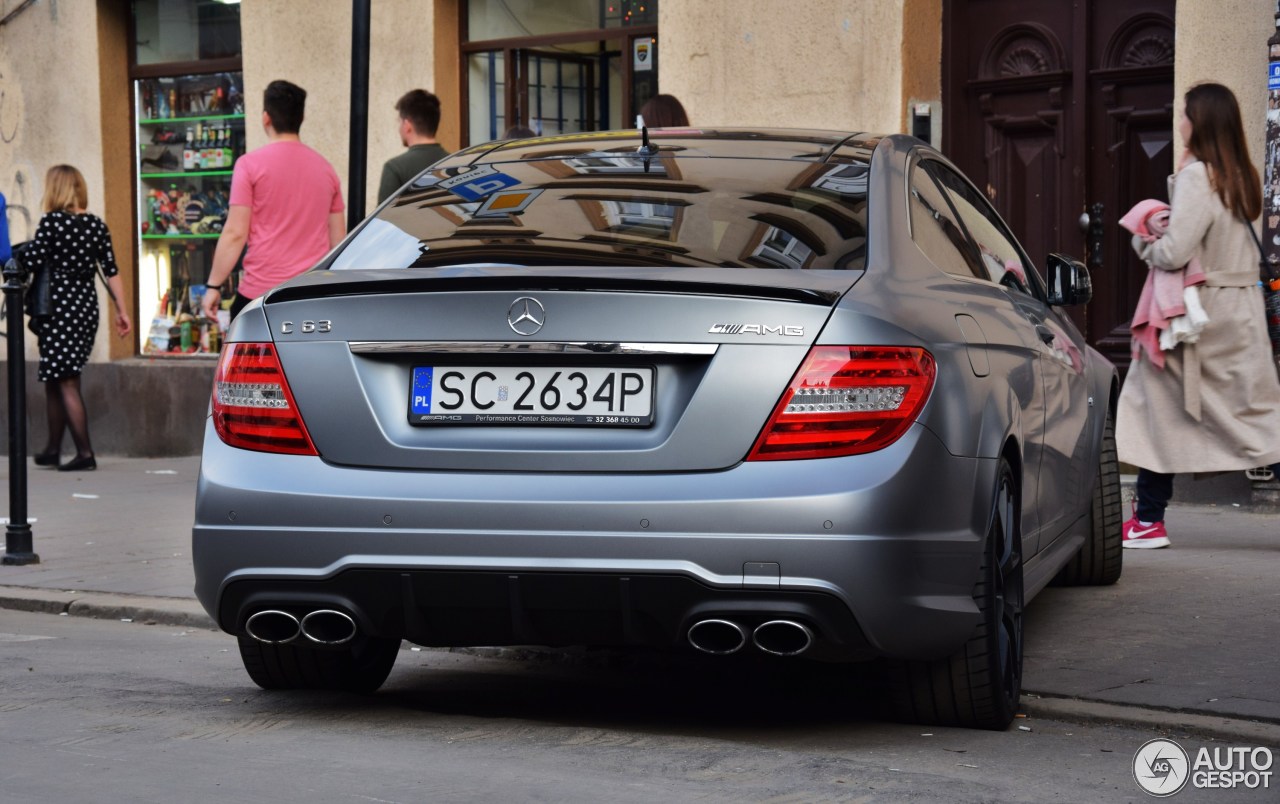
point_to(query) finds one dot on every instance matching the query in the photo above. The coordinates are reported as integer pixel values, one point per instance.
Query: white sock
(1145, 524)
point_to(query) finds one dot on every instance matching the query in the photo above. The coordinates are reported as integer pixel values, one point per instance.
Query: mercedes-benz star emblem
(526, 315)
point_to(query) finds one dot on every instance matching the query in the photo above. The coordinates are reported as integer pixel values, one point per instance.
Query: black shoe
(78, 465)
(46, 458)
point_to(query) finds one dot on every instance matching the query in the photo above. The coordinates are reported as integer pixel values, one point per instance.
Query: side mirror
(1068, 280)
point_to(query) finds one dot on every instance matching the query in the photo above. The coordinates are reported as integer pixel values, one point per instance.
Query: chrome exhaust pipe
(782, 638)
(720, 637)
(273, 627)
(328, 627)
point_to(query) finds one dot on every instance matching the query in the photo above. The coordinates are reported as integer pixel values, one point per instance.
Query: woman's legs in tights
(66, 411)
(57, 416)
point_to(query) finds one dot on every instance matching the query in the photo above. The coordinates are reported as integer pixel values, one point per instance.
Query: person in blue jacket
(5, 251)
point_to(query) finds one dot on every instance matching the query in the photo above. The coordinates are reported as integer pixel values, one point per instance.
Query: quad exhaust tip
(719, 637)
(328, 627)
(323, 627)
(273, 627)
(782, 637)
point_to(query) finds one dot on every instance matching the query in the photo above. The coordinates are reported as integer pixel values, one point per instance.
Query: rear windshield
(602, 208)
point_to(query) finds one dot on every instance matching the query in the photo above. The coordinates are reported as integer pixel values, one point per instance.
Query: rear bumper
(877, 553)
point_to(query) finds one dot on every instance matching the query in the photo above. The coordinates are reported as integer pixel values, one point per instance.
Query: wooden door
(1063, 114)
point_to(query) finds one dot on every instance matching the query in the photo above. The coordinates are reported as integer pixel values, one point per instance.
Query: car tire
(978, 687)
(359, 667)
(1101, 557)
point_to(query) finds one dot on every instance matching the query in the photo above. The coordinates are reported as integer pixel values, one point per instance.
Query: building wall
(309, 44)
(137, 408)
(817, 64)
(50, 114)
(1226, 41)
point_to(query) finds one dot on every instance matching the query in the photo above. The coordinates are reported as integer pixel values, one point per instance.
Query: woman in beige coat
(1215, 406)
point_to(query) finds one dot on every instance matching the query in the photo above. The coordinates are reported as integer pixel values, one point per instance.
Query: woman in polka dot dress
(74, 245)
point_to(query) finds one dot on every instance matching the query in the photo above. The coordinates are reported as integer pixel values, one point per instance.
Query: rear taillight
(847, 400)
(252, 405)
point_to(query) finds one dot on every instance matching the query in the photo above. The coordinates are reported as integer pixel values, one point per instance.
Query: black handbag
(38, 298)
(1270, 277)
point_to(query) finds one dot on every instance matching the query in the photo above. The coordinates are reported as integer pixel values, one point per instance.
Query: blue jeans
(1155, 489)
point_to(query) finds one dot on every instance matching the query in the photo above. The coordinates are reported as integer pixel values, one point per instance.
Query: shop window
(557, 68)
(189, 114)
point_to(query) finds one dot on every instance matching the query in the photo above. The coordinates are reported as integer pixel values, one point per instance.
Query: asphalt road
(103, 711)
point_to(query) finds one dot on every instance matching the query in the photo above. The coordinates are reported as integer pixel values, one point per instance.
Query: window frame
(515, 52)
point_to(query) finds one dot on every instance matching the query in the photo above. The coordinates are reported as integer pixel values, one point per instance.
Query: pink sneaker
(1145, 536)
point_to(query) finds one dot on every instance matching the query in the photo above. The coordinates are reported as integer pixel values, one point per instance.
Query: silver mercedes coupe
(788, 392)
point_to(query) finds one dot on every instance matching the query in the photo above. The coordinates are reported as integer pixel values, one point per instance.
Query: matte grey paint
(907, 522)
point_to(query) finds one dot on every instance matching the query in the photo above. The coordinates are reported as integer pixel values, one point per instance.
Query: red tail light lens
(847, 400)
(252, 405)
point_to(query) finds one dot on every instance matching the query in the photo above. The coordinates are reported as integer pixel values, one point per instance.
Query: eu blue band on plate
(420, 393)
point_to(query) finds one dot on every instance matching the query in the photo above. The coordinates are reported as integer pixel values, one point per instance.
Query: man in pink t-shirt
(286, 203)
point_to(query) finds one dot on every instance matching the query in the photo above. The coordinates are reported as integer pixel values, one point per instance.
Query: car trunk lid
(711, 349)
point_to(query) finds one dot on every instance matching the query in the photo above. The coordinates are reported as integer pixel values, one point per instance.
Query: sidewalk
(1189, 639)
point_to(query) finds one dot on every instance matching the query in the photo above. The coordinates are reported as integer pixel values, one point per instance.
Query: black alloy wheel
(1008, 598)
(980, 686)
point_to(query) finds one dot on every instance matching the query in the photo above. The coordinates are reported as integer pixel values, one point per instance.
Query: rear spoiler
(329, 284)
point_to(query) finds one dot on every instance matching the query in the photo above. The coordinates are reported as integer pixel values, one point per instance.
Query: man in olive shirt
(419, 118)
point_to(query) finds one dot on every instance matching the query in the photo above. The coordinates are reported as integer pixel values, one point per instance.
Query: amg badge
(757, 329)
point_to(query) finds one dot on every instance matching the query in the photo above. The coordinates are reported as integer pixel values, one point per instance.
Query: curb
(173, 611)
(186, 613)
(1079, 710)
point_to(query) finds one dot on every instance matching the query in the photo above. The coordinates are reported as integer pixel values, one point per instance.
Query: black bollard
(17, 535)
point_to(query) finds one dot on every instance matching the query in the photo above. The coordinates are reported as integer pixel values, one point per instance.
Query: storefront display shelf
(180, 237)
(163, 121)
(181, 174)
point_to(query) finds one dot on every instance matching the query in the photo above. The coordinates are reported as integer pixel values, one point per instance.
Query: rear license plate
(583, 396)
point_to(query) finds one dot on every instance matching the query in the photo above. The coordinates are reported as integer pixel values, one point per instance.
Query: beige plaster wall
(818, 63)
(50, 114)
(1226, 41)
(309, 43)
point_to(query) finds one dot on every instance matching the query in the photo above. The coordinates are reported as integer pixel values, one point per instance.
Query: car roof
(741, 143)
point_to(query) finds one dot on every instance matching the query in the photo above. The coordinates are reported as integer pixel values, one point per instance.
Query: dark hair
(422, 109)
(519, 133)
(663, 111)
(284, 103)
(1217, 139)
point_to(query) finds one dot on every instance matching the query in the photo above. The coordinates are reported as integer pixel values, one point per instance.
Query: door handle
(1045, 333)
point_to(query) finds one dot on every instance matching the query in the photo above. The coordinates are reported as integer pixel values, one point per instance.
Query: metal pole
(17, 535)
(359, 152)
